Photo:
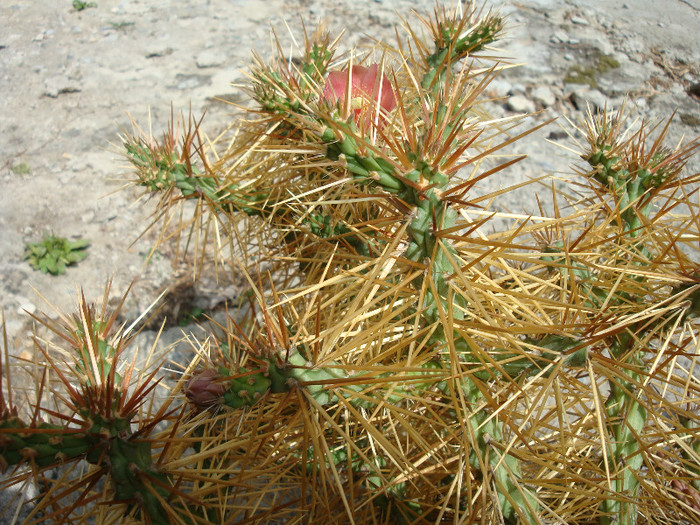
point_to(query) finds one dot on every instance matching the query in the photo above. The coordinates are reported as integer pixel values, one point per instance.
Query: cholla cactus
(396, 363)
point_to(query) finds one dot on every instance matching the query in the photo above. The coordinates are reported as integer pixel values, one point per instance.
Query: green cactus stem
(246, 386)
(517, 503)
(627, 419)
(107, 443)
(289, 91)
(457, 39)
(633, 177)
(161, 172)
(43, 445)
(421, 188)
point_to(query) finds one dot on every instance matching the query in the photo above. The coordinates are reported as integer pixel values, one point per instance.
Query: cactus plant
(394, 362)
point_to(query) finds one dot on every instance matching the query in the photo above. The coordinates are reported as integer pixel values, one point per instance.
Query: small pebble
(585, 98)
(543, 95)
(59, 85)
(159, 52)
(499, 87)
(210, 59)
(559, 37)
(517, 89)
(26, 306)
(520, 104)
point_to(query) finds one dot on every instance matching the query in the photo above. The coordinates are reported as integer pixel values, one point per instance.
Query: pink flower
(205, 389)
(366, 89)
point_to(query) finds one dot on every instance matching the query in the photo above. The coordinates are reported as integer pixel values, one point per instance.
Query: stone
(641, 103)
(25, 305)
(58, 85)
(210, 58)
(584, 98)
(559, 37)
(159, 51)
(499, 88)
(602, 44)
(520, 104)
(191, 81)
(629, 77)
(543, 96)
(518, 89)
(558, 134)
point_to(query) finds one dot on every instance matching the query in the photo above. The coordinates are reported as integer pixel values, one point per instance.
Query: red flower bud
(366, 89)
(205, 389)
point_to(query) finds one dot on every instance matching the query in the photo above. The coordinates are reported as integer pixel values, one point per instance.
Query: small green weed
(120, 25)
(53, 254)
(588, 73)
(21, 169)
(79, 5)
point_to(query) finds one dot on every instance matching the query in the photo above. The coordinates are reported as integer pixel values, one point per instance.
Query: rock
(558, 134)
(543, 96)
(583, 98)
(25, 305)
(631, 43)
(43, 35)
(159, 51)
(210, 58)
(520, 104)
(499, 88)
(602, 44)
(629, 77)
(190, 81)
(517, 89)
(559, 37)
(59, 85)
(641, 103)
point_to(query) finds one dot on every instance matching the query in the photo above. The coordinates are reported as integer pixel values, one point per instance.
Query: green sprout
(21, 169)
(79, 5)
(120, 25)
(588, 74)
(53, 254)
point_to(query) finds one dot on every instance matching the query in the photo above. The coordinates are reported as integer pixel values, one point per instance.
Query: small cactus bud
(205, 389)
